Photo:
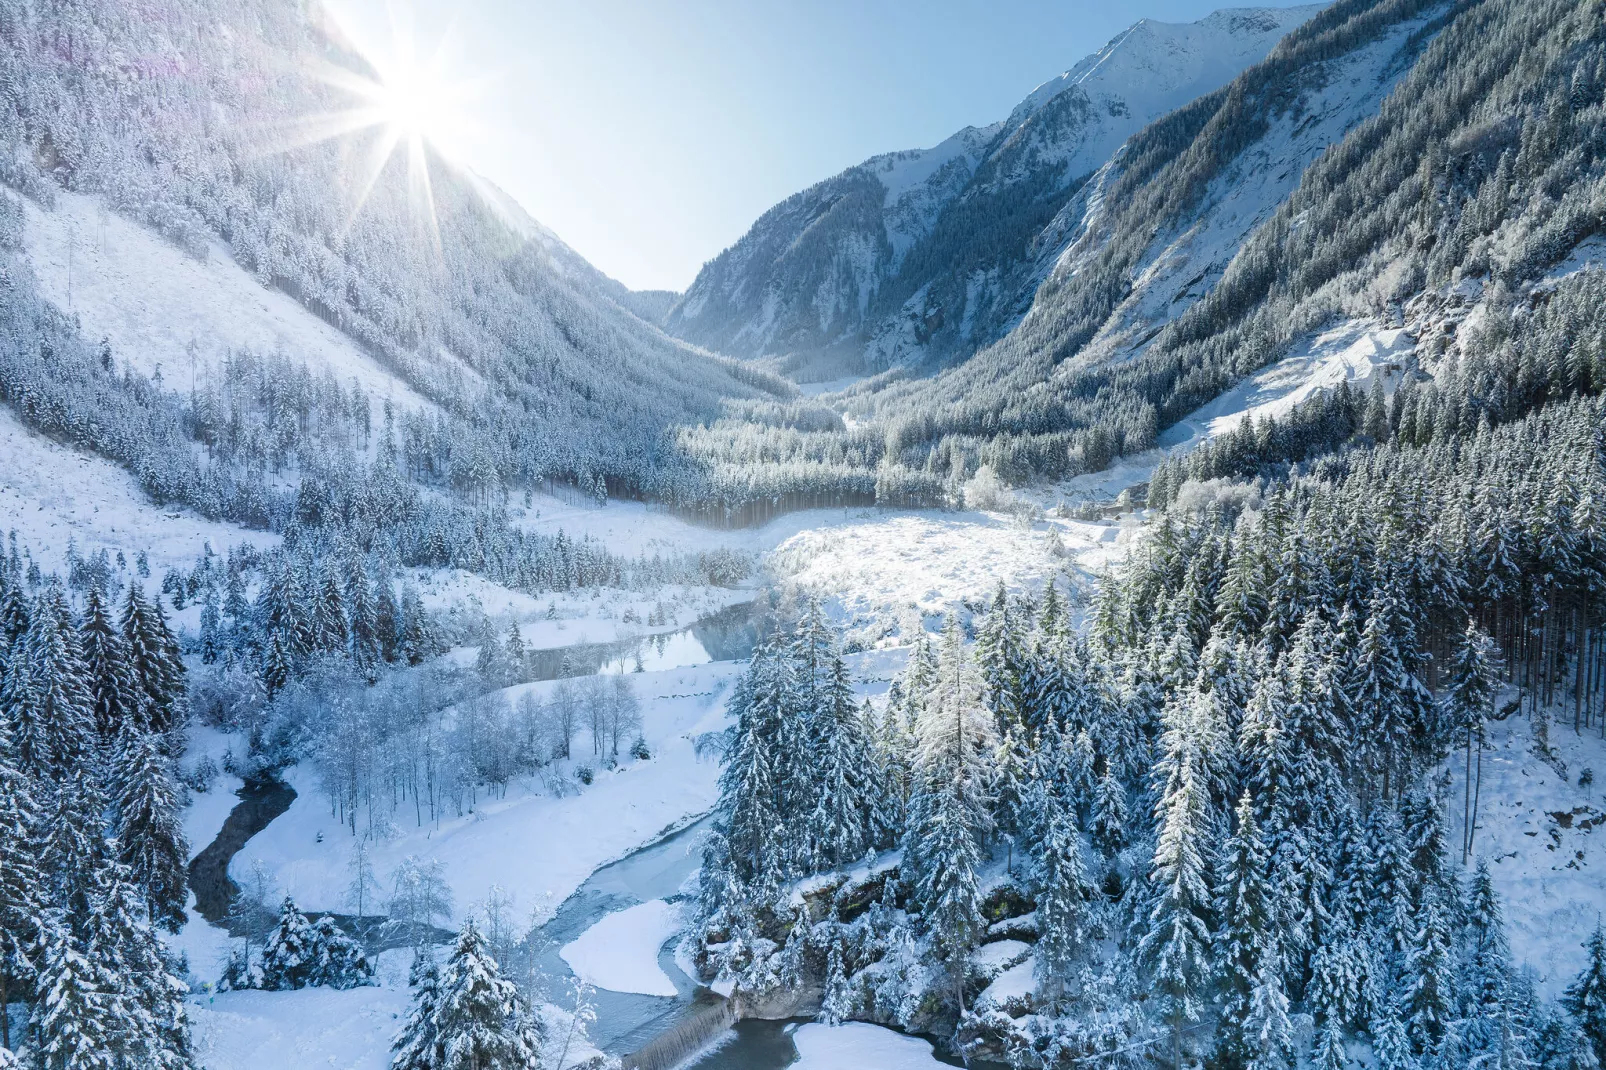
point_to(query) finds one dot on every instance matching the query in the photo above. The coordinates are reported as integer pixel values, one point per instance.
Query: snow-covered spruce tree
(154, 660)
(106, 662)
(1063, 907)
(291, 951)
(338, 960)
(750, 804)
(477, 1020)
(21, 882)
(366, 645)
(1268, 1034)
(1489, 1031)
(999, 660)
(152, 1025)
(1248, 933)
(1429, 977)
(1586, 996)
(1176, 945)
(839, 824)
(949, 811)
(414, 1047)
(75, 1022)
(73, 848)
(47, 694)
(150, 834)
(1474, 677)
(838, 1004)
(1109, 814)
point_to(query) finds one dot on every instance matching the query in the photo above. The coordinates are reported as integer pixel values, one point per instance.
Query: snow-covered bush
(298, 954)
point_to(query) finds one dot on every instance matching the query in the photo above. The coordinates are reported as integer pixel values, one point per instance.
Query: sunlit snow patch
(620, 952)
(858, 1046)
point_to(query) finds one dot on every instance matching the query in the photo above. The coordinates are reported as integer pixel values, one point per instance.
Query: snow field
(50, 494)
(880, 567)
(1354, 352)
(620, 952)
(158, 305)
(572, 618)
(1544, 839)
(858, 1044)
(351, 1029)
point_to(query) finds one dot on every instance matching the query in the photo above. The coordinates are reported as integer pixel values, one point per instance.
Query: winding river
(625, 1021)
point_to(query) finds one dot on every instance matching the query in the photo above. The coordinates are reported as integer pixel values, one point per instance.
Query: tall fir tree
(478, 1020)
(48, 694)
(21, 882)
(949, 812)
(839, 823)
(1248, 933)
(1176, 946)
(1064, 910)
(150, 830)
(154, 659)
(106, 662)
(1586, 996)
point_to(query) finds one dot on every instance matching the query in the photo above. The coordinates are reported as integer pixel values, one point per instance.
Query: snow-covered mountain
(934, 252)
(130, 138)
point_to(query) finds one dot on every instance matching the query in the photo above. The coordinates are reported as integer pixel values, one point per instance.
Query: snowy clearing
(1354, 352)
(620, 952)
(50, 493)
(1542, 837)
(157, 304)
(882, 564)
(351, 1030)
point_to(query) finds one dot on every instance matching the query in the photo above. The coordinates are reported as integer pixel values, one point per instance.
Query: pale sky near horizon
(650, 134)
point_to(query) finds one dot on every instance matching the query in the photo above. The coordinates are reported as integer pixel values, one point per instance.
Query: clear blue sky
(651, 133)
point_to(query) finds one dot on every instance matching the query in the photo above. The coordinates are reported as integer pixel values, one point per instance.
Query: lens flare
(408, 103)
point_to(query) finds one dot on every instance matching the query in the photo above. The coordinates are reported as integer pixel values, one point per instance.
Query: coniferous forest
(386, 706)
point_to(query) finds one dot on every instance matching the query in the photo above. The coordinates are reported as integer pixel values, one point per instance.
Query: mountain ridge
(927, 253)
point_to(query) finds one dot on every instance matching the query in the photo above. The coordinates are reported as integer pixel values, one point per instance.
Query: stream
(625, 1021)
(727, 635)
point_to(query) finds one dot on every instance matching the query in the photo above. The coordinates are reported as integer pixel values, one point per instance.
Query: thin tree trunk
(1477, 792)
(1466, 805)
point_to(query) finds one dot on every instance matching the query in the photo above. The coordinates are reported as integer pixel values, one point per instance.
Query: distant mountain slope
(934, 252)
(1383, 154)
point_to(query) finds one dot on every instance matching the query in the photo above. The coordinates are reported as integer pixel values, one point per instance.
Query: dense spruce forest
(1483, 164)
(1224, 808)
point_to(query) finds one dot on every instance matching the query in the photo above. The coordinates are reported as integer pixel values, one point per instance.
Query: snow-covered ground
(1353, 352)
(858, 1044)
(159, 306)
(620, 952)
(351, 1030)
(1544, 838)
(50, 494)
(537, 847)
(880, 565)
(591, 615)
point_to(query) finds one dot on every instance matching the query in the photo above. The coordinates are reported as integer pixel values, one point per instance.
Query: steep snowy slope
(164, 310)
(201, 132)
(932, 252)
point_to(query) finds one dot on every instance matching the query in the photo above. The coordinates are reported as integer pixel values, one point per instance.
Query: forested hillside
(208, 123)
(1250, 817)
(1478, 162)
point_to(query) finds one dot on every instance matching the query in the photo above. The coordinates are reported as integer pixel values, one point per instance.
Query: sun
(404, 102)
(413, 101)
